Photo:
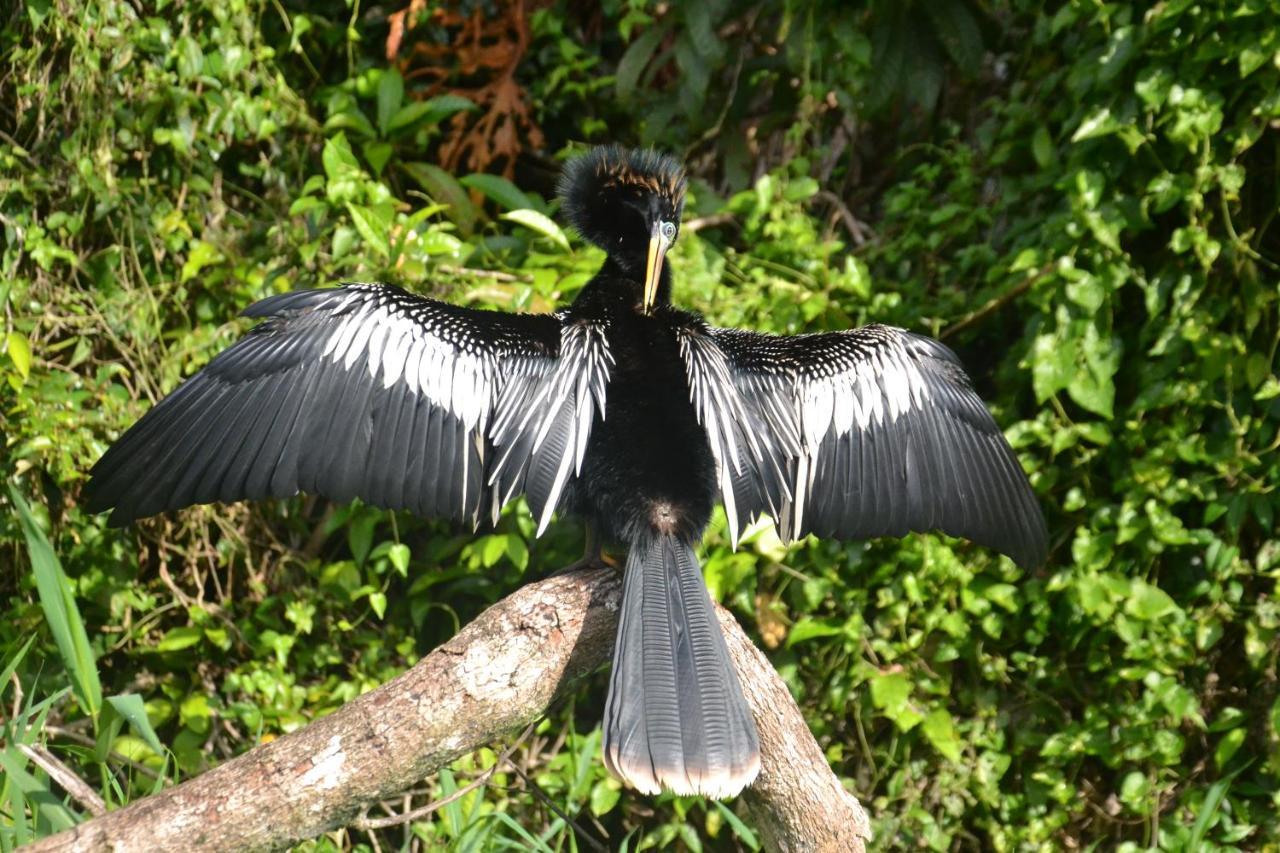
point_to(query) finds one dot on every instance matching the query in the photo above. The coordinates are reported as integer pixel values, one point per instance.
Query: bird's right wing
(867, 432)
(369, 391)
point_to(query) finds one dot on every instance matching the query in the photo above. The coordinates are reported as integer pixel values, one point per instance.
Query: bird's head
(627, 203)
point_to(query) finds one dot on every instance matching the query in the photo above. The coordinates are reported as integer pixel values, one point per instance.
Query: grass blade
(60, 611)
(12, 665)
(37, 794)
(1209, 807)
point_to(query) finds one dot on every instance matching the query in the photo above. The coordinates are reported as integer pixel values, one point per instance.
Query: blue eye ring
(669, 230)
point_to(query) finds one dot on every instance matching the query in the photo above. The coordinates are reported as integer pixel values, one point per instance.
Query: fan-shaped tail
(675, 718)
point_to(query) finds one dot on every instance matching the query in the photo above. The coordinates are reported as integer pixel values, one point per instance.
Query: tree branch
(495, 677)
(65, 777)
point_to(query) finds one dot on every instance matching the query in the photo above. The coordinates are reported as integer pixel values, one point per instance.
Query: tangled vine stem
(495, 677)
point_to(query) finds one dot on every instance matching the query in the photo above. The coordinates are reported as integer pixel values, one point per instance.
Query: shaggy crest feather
(593, 184)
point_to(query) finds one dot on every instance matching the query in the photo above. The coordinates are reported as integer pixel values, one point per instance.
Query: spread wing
(868, 432)
(369, 391)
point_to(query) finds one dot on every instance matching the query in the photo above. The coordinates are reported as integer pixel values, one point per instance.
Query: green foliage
(1080, 199)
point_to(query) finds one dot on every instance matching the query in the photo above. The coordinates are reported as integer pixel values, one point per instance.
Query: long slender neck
(620, 283)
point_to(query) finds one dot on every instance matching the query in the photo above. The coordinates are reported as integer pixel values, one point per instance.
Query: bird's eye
(669, 230)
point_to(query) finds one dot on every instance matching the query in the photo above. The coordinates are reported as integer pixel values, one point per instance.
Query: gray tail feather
(675, 718)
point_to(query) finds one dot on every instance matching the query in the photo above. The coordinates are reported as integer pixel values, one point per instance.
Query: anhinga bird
(622, 409)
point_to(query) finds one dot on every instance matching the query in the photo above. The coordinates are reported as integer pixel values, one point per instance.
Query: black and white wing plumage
(869, 432)
(369, 391)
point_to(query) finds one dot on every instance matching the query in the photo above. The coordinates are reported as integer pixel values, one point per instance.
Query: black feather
(275, 414)
(675, 717)
(941, 463)
(604, 410)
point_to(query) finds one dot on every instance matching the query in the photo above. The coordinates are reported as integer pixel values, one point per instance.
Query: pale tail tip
(718, 784)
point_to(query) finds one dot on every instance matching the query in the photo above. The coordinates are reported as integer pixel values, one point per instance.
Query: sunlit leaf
(540, 223)
(19, 351)
(940, 729)
(498, 189)
(390, 96)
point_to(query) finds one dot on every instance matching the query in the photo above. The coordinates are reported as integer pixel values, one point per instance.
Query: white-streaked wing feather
(870, 427)
(543, 422)
(366, 390)
(747, 452)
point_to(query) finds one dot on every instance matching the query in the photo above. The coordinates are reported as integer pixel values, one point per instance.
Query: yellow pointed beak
(658, 245)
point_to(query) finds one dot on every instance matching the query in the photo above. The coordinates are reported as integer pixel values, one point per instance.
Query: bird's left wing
(876, 431)
(369, 391)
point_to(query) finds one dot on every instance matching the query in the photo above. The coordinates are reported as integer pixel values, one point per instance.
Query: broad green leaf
(700, 31)
(338, 158)
(398, 554)
(1120, 49)
(1098, 123)
(1135, 788)
(195, 713)
(407, 116)
(1042, 148)
(1087, 292)
(889, 55)
(448, 104)
(499, 190)
(176, 639)
(940, 729)
(540, 223)
(891, 690)
(518, 551)
(1053, 365)
(604, 796)
(1252, 58)
(390, 97)
(1093, 393)
(1092, 387)
(446, 189)
(19, 353)
(635, 59)
(1153, 85)
(190, 58)
(377, 154)
(360, 534)
(923, 73)
(371, 231)
(955, 27)
(1004, 595)
(131, 707)
(1149, 602)
(351, 119)
(344, 239)
(1228, 746)
(430, 111)
(200, 256)
(493, 549)
(1270, 389)
(891, 693)
(809, 628)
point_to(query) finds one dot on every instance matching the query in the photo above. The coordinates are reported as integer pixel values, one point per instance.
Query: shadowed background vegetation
(1079, 197)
